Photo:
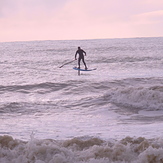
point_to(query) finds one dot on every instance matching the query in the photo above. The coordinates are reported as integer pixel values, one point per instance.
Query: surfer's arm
(84, 52)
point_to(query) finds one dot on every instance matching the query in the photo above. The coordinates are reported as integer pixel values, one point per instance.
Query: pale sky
(25, 20)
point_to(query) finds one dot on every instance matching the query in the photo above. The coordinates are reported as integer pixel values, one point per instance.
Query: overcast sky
(24, 20)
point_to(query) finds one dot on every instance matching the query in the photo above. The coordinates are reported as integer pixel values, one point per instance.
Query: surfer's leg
(84, 63)
(79, 62)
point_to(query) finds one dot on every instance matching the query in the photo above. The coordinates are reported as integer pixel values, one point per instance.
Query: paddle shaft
(66, 63)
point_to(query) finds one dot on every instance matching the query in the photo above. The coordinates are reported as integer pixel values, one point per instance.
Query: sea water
(113, 114)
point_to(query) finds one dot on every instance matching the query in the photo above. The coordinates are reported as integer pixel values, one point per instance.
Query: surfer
(81, 53)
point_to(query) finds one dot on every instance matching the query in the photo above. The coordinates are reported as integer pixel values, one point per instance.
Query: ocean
(50, 114)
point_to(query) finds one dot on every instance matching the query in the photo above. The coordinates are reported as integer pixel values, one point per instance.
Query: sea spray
(81, 150)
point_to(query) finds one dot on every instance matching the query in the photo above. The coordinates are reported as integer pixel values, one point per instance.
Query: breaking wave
(138, 97)
(81, 150)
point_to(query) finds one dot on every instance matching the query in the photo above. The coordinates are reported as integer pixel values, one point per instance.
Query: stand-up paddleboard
(75, 68)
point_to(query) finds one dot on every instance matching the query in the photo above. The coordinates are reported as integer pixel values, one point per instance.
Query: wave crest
(79, 150)
(137, 97)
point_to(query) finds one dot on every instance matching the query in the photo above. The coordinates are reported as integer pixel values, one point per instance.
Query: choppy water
(113, 114)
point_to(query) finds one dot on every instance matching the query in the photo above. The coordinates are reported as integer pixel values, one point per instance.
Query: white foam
(81, 150)
(138, 97)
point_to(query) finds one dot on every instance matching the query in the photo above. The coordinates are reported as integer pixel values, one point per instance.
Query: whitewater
(50, 114)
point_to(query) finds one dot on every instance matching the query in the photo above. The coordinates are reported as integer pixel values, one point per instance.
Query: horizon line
(82, 39)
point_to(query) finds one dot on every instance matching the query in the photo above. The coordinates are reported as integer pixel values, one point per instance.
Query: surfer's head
(79, 47)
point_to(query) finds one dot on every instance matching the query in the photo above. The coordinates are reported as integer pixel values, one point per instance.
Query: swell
(128, 59)
(131, 93)
(139, 94)
(23, 108)
(131, 98)
(47, 86)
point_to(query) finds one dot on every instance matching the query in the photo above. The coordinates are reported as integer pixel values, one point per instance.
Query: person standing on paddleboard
(81, 53)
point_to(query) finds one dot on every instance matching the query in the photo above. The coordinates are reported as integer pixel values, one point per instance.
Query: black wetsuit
(81, 56)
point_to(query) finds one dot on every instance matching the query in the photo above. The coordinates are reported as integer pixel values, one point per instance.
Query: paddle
(66, 63)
